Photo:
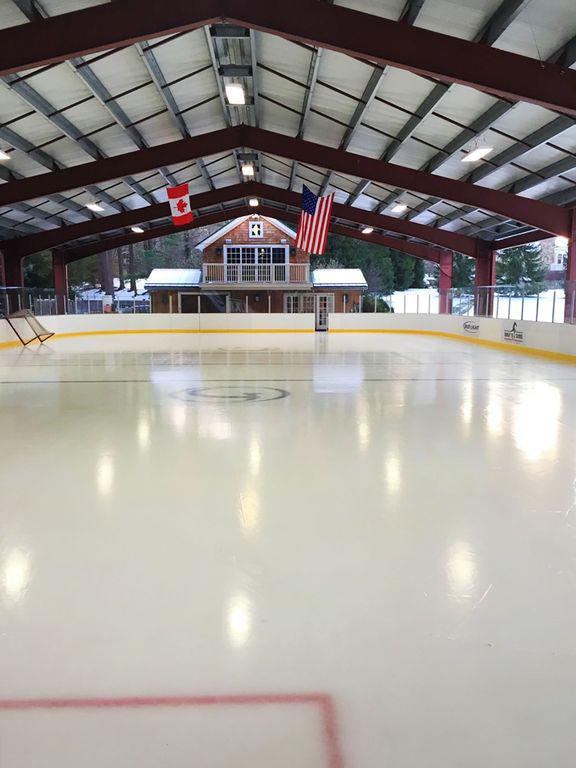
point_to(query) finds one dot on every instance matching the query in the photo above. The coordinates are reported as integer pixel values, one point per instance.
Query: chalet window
(233, 255)
(278, 255)
(256, 254)
(248, 255)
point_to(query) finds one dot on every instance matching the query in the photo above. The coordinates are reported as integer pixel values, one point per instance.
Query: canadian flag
(179, 199)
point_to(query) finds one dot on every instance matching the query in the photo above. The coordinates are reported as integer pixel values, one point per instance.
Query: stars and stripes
(314, 222)
(179, 199)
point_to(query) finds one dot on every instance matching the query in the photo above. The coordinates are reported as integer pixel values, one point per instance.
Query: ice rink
(286, 551)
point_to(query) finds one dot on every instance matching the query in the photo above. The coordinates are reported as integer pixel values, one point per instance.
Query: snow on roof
(233, 224)
(173, 278)
(351, 278)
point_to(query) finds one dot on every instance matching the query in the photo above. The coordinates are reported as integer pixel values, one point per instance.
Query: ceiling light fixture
(399, 208)
(248, 170)
(254, 202)
(367, 230)
(4, 156)
(477, 154)
(95, 206)
(235, 94)
(137, 230)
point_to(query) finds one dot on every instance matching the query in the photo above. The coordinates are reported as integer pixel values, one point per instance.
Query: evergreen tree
(374, 261)
(462, 271)
(419, 271)
(521, 264)
(403, 271)
(38, 271)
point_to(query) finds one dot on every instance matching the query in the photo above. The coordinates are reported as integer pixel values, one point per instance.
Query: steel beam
(567, 55)
(450, 59)
(25, 246)
(526, 237)
(445, 267)
(418, 250)
(532, 212)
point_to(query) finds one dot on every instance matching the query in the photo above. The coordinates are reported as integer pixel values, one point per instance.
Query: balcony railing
(256, 273)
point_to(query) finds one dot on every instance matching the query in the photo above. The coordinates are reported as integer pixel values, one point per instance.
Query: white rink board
(551, 337)
(232, 322)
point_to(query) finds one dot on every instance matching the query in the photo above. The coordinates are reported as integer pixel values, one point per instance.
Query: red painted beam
(552, 218)
(419, 250)
(543, 215)
(60, 276)
(116, 167)
(503, 74)
(29, 244)
(445, 268)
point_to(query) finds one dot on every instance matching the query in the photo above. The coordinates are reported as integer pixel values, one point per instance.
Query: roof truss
(313, 22)
(535, 213)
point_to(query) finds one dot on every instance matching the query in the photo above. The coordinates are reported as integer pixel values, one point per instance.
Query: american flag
(314, 222)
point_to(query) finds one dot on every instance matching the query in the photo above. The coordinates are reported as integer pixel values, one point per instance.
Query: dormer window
(256, 230)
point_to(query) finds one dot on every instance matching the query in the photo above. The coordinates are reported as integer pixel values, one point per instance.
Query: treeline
(385, 269)
(130, 262)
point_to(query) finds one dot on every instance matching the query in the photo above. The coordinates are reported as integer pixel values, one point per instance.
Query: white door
(324, 305)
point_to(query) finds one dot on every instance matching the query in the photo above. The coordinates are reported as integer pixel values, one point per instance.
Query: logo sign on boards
(471, 326)
(514, 334)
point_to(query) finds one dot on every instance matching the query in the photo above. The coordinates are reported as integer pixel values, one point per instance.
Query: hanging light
(137, 230)
(253, 202)
(235, 94)
(95, 206)
(399, 208)
(477, 154)
(248, 170)
(367, 230)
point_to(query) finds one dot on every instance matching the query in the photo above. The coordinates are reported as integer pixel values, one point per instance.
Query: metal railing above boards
(46, 302)
(548, 302)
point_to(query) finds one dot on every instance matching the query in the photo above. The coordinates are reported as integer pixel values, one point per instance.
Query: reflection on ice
(536, 421)
(462, 570)
(249, 510)
(495, 410)
(239, 620)
(105, 474)
(392, 474)
(15, 575)
(144, 431)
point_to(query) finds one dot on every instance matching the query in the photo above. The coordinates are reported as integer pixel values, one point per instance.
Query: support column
(570, 285)
(485, 278)
(445, 282)
(60, 277)
(13, 278)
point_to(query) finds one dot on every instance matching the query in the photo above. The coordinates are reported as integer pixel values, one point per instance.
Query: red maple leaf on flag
(182, 206)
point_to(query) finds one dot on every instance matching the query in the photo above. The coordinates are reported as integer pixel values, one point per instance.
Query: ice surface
(382, 524)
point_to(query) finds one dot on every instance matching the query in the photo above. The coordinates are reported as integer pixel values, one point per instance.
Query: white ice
(384, 524)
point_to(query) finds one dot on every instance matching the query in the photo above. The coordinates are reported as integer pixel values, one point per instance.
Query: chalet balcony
(267, 274)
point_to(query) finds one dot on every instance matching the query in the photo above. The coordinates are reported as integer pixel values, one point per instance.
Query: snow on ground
(547, 307)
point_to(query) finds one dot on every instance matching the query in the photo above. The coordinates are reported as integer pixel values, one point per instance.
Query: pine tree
(521, 265)
(462, 271)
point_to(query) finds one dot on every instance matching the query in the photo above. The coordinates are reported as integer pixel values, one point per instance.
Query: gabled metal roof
(149, 93)
(173, 278)
(338, 278)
